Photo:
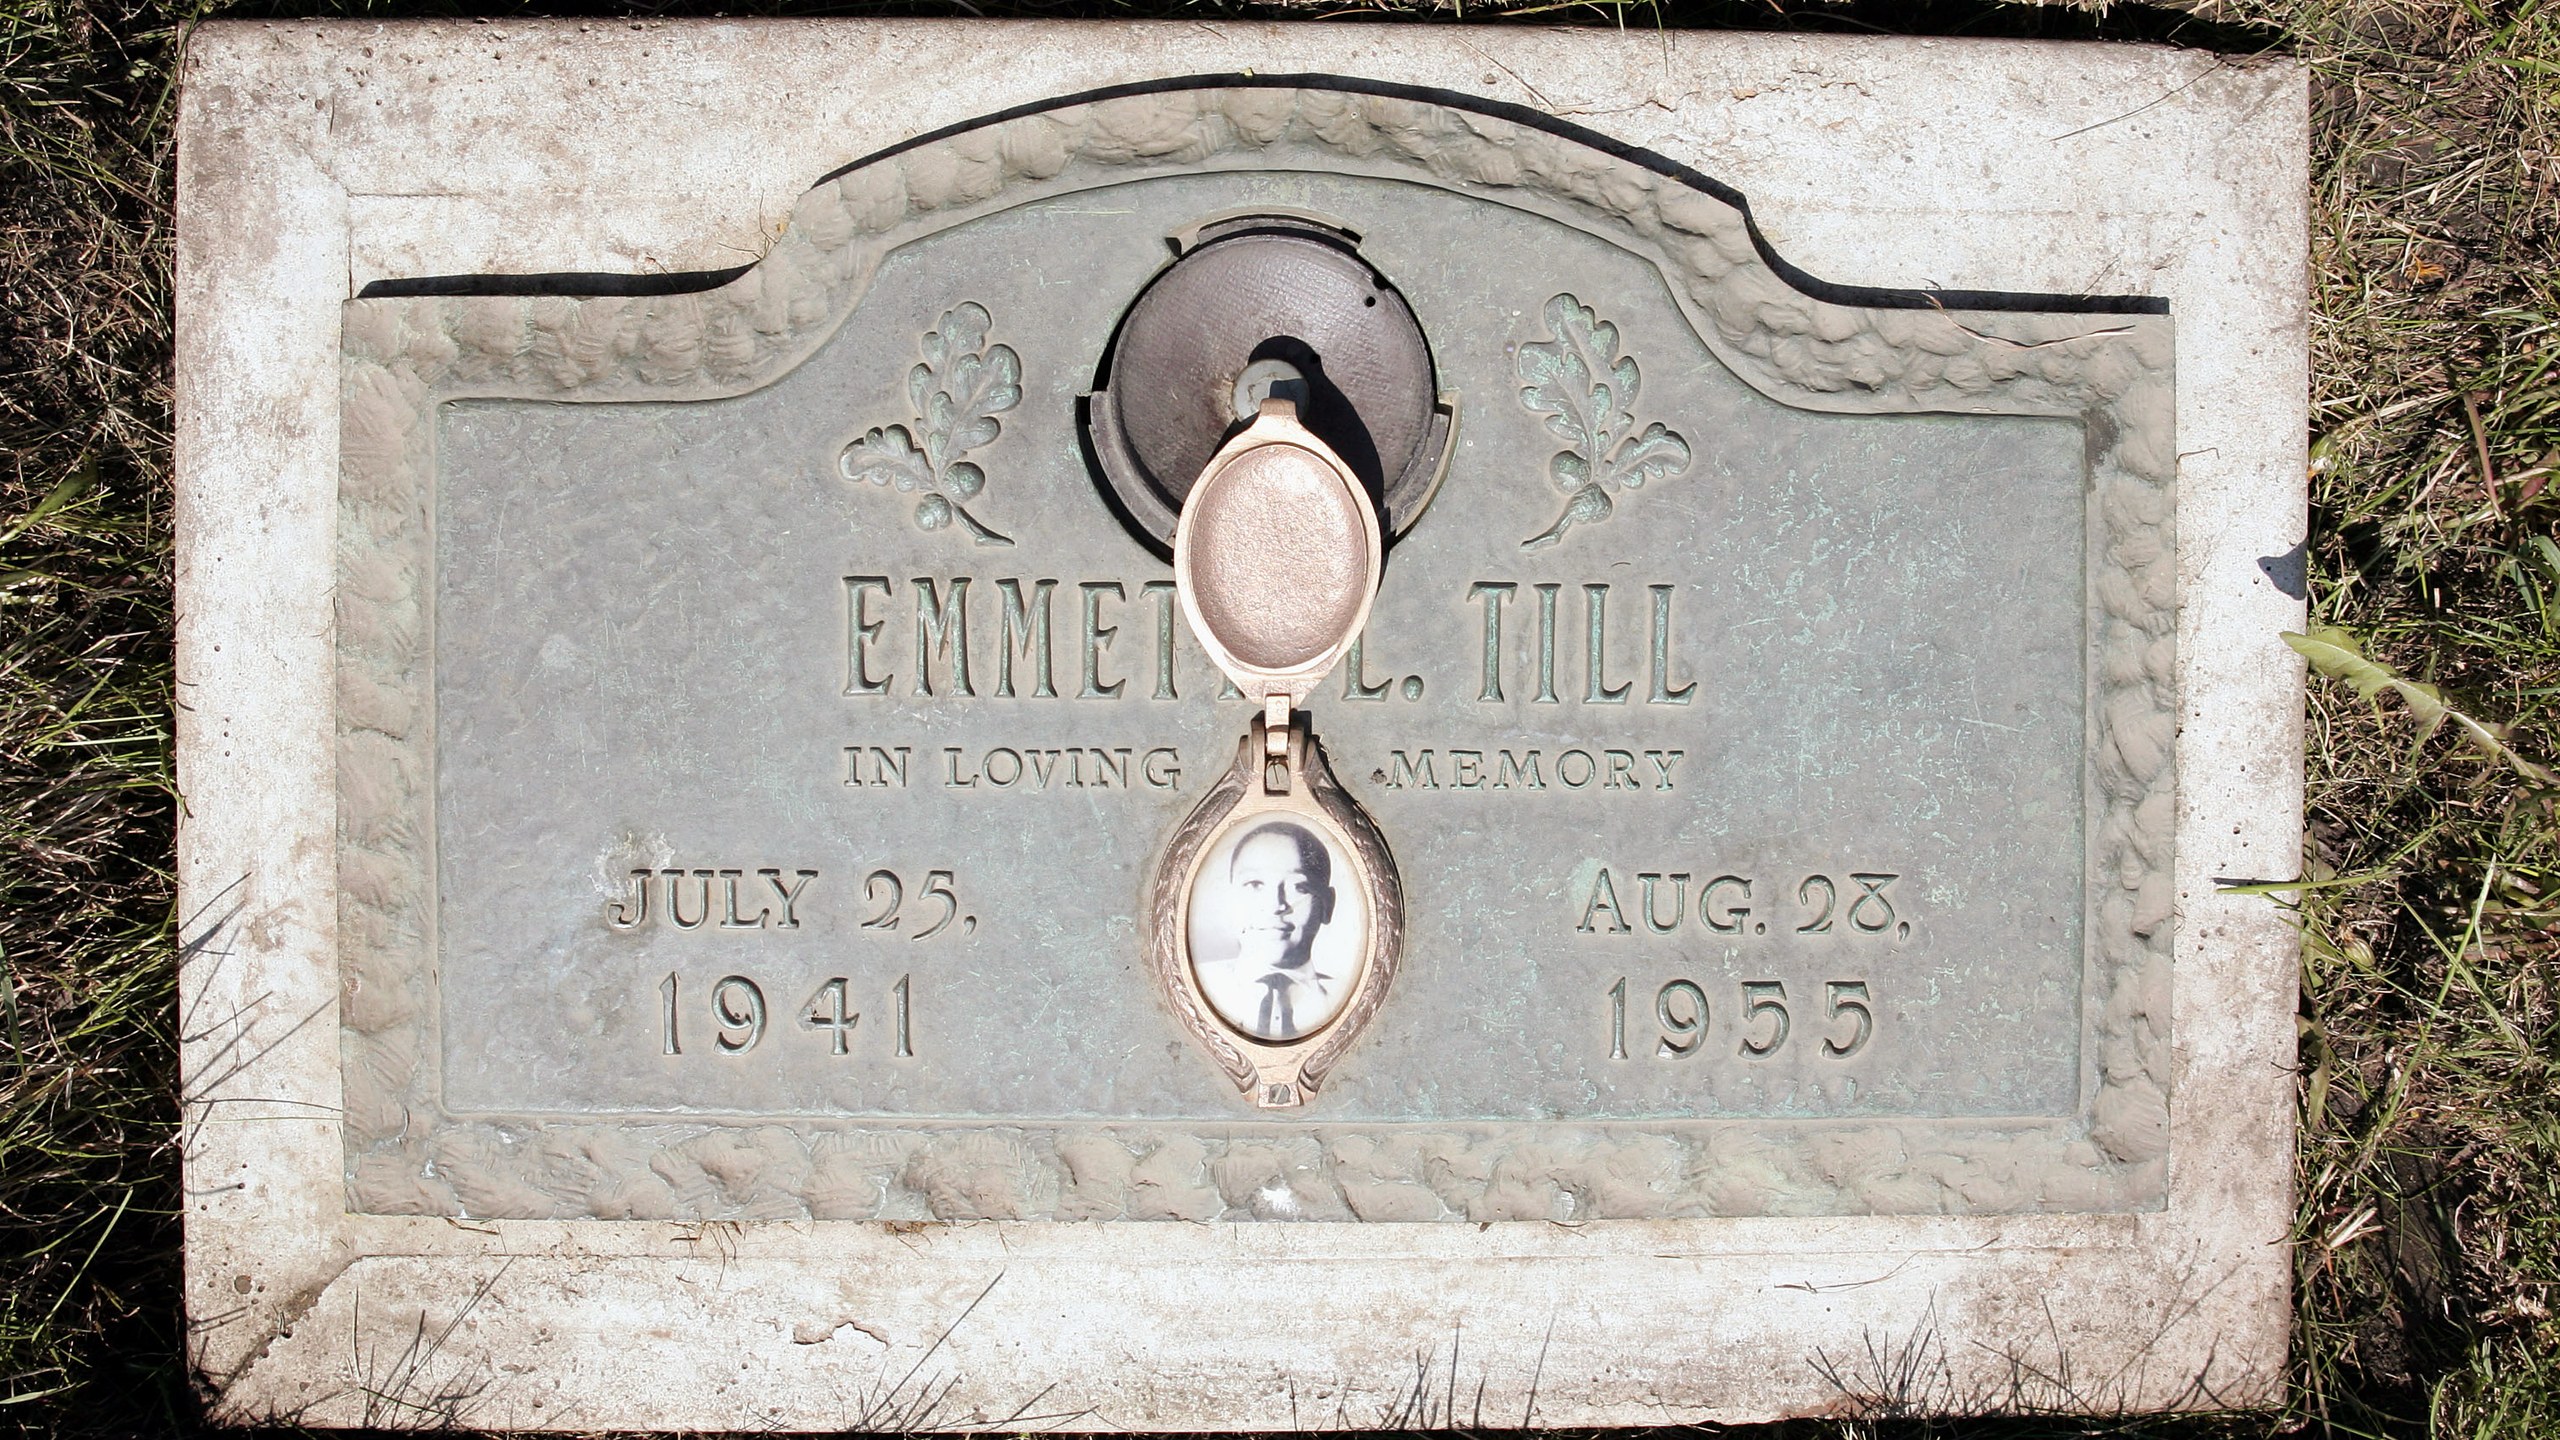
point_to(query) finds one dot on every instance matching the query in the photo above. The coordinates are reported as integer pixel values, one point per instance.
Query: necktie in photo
(1276, 1002)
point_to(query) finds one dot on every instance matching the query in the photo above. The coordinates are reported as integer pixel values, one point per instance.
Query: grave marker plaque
(1369, 666)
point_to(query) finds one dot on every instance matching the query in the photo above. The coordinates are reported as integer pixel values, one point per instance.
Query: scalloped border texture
(405, 356)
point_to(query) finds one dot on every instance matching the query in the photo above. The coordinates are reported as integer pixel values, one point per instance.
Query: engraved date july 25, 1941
(739, 1015)
(719, 897)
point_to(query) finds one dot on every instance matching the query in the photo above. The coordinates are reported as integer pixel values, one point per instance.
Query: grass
(2429, 1238)
(2430, 1263)
(88, 1183)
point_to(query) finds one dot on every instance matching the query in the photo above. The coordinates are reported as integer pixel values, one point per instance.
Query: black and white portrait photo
(1277, 922)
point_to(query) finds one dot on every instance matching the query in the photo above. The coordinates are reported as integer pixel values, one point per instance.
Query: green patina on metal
(1898, 600)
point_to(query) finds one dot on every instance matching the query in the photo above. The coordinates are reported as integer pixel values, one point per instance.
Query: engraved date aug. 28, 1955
(1762, 1023)
(1857, 904)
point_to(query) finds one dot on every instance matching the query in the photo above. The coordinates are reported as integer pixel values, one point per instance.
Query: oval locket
(1277, 915)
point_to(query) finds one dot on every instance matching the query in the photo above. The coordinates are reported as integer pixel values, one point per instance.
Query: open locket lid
(1276, 557)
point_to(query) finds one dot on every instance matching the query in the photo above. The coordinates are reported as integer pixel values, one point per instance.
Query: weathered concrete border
(314, 157)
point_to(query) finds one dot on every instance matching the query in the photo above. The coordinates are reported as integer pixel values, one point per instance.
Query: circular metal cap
(1265, 300)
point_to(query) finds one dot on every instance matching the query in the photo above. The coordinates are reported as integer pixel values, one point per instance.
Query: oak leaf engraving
(958, 389)
(887, 455)
(1586, 391)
